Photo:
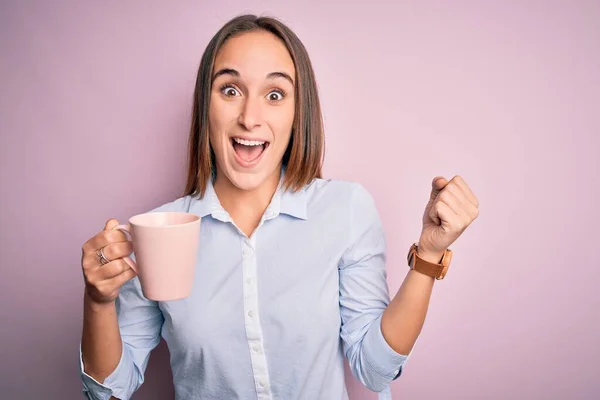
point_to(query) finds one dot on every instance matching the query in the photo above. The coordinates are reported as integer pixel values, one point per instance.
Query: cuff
(381, 357)
(95, 390)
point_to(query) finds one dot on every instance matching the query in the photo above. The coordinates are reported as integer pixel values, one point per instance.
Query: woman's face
(251, 108)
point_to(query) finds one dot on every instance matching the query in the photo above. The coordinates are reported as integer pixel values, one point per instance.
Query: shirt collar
(283, 202)
(206, 205)
(293, 203)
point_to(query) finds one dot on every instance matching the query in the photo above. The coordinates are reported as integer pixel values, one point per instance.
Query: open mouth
(248, 152)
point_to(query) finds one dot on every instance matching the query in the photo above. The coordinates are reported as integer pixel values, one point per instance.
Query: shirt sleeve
(364, 296)
(140, 323)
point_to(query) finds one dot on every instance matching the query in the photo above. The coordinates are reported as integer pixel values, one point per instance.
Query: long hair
(303, 159)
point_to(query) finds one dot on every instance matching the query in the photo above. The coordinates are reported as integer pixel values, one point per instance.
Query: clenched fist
(452, 207)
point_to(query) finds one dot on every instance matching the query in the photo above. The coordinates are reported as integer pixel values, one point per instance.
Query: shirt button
(247, 250)
(262, 383)
(255, 348)
(250, 313)
(249, 281)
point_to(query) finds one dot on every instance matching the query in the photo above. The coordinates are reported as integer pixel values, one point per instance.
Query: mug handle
(127, 230)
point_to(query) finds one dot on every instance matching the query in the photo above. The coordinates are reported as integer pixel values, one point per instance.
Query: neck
(246, 207)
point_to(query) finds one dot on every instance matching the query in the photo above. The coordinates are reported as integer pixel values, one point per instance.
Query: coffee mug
(165, 245)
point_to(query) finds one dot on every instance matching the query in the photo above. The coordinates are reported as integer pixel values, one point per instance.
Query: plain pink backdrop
(94, 108)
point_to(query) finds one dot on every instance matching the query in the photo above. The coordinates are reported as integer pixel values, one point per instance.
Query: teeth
(248, 142)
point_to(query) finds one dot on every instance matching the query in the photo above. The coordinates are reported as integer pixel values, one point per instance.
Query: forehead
(254, 55)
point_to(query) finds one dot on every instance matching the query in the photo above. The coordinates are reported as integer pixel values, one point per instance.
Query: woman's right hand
(103, 281)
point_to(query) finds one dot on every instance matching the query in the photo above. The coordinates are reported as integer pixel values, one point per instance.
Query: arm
(100, 355)
(404, 317)
(101, 340)
(364, 297)
(139, 322)
(452, 207)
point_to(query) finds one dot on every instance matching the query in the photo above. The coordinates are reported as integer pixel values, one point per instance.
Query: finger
(454, 217)
(434, 209)
(465, 206)
(438, 183)
(114, 251)
(433, 215)
(102, 239)
(110, 270)
(447, 197)
(111, 224)
(443, 213)
(122, 278)
(109, 287)
(468, 211)
(461, 183)
(94, 244)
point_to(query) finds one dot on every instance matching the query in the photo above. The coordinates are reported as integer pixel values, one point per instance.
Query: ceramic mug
(165, 245)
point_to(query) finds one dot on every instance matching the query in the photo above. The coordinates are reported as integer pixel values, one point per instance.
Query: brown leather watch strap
(427, 268)
(437, 271)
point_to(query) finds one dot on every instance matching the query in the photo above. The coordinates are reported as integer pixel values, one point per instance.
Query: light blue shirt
(272, 316)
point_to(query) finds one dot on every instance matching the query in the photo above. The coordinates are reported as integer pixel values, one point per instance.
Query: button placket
(246, 250)
(254, 333)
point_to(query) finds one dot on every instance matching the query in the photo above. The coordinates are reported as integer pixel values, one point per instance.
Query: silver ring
(102, 257)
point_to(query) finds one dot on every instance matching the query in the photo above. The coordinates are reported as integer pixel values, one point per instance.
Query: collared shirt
(270, 316)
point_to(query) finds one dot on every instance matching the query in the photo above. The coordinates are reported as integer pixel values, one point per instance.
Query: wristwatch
(438, 271)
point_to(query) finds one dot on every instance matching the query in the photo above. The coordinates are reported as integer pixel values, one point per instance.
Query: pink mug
(165, 245)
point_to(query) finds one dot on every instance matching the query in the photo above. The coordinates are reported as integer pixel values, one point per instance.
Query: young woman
(291, 274)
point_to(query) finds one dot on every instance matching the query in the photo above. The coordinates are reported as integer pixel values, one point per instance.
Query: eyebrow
(283, 75)
(225, 71)
(233, 72)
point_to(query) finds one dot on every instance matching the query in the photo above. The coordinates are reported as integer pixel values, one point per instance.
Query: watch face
(411, 255)
(447, 259)
(443, 273)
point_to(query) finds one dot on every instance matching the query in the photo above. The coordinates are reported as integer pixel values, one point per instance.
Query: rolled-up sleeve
(140, 323)
(364, 295)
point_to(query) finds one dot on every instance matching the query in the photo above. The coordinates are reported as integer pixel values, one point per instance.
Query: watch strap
(422, 266)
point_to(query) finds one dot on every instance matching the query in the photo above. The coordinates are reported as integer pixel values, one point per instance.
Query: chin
(247, 180)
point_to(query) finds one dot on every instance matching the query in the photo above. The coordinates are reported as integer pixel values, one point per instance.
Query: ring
(102, 257)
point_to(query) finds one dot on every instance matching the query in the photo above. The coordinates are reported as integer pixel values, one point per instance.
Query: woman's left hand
(451, 208)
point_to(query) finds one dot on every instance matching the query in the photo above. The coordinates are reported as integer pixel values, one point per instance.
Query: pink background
(94, 111)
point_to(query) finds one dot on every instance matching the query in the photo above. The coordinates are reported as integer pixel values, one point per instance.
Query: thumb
(438, 183)
(111, 224)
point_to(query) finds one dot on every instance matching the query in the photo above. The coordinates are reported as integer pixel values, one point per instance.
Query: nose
(251, 114)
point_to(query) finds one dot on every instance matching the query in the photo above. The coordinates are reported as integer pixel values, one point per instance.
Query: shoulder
(181, 204)
(340, 192)
(341, 201)
(349, 209)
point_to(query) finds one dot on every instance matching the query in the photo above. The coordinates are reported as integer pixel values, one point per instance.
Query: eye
(229, 91)
(276, 95)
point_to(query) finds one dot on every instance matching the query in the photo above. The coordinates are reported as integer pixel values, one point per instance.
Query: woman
(291, 276)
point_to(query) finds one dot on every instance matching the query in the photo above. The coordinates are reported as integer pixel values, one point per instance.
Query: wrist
(96, 306)
(433, 263)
